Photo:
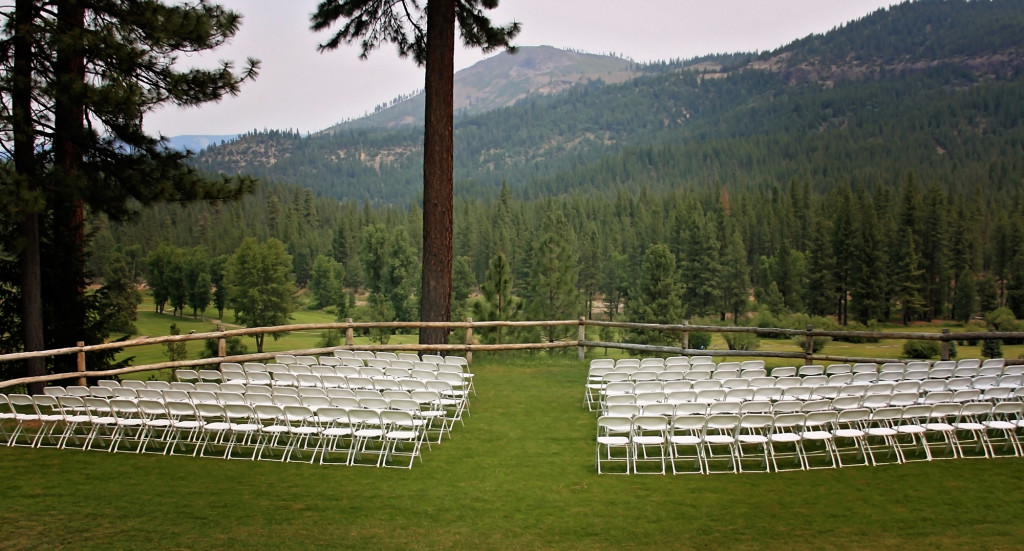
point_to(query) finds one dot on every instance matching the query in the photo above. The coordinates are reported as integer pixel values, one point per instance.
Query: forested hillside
(872, 173)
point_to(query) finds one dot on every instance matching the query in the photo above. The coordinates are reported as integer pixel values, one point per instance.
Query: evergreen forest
(872, 173)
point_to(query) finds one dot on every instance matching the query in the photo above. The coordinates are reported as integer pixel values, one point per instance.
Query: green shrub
(921, 349)
(765, 320)
(329, 338)
(973, 326)
(1002, 319)
(742, 341)
(233, 346)
(992, 348)
(857, 326)
(700, 340)
(817, 343)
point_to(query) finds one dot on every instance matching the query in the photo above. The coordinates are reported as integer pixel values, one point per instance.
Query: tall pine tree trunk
(68, 281)
(438, 198)
(28, 172)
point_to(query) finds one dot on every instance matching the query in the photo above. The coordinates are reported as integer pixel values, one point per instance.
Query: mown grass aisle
(518, 475)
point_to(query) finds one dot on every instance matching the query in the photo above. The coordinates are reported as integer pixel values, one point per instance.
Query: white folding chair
(613, 443)
(848, 437)
(880, 435)
(649, 439)
(685, 444)
(784, 441)
(719, 443)
(752, 441)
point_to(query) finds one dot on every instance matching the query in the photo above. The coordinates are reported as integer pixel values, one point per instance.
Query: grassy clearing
(518, 475)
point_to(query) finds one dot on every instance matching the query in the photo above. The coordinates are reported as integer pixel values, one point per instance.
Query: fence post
(945, 345)
(81, 363)
(808, 345)
(469, 340)
(349, 338)
(686, 336)
(580, 352)
(222, 343)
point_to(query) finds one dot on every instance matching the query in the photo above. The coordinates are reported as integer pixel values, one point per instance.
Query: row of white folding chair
(456, 380)
(839, 438)
(265, 429)
(233, 371)
(653, 360)
(817, 384)
(242, 394)
(94, 413)
(711, 442)
(738, 398)
(404, 356)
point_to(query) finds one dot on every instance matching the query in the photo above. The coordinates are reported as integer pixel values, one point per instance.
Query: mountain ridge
(500, 81)
(896, 61)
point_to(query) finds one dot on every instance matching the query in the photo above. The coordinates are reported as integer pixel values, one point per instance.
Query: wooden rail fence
(581, 343)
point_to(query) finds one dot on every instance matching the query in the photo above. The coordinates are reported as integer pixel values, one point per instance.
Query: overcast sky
(301, 89)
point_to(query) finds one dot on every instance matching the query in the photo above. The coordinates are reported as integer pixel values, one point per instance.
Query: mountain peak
(502, 80)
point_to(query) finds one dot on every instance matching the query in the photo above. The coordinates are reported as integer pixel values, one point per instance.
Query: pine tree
(908, 278)
(656, 296)
(176, 350)
(553, 291)
(121, 297)
(965, 297)
(497, 302)
(820, 297)
(429, 35)
(78, 141)
(735, 282)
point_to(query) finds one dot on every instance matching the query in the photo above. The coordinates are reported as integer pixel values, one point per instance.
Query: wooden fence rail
(581, 344)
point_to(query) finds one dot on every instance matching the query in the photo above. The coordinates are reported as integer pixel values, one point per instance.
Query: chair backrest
(328, 360)
(838, 369)
(696, 409)
(784, 371)
(722, 423)
(614, 424)
(865, 367)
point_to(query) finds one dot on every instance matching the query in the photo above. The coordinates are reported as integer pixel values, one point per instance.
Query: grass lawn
(518, 475)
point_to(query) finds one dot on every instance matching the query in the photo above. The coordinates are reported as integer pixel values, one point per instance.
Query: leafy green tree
(158, 267)
(326, 283)
(656, 295)
(176, 278)
(218, 266)
(79, 76)
(260, 287)
(198, 281)
(429, 35)
(497, 302)
(121, 296)
(553, 290)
